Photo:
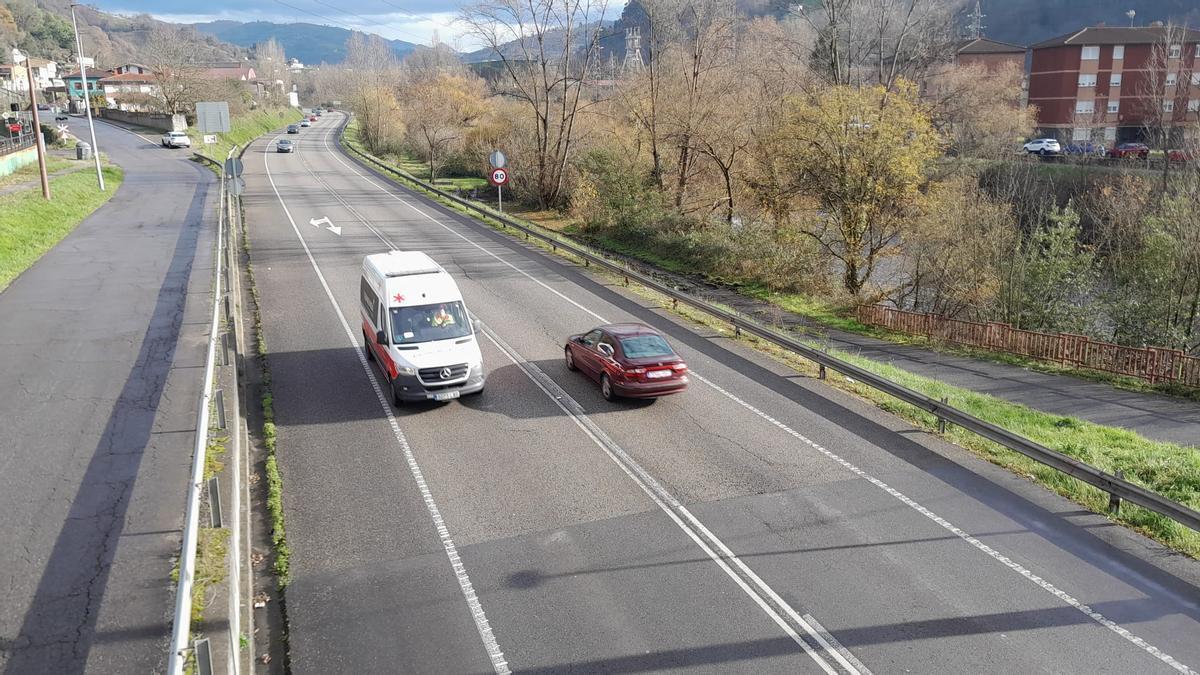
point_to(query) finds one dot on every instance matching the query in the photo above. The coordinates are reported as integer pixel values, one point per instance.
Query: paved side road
(102, 344)
(1154, 416)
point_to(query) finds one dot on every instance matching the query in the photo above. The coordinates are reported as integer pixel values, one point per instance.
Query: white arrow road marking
(317, 222)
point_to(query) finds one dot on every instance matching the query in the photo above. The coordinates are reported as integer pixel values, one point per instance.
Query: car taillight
(635, 371)
(680, 367)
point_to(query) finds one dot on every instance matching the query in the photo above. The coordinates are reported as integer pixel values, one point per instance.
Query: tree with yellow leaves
(858, 158)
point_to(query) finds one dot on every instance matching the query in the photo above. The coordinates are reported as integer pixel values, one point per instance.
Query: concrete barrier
(146, 119)
(14, 160)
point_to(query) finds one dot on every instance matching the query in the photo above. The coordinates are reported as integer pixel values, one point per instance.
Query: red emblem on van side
(399, 298)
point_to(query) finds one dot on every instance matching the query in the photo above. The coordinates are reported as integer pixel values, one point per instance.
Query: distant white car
(1043, 146)
(176, 139)
(305, 123)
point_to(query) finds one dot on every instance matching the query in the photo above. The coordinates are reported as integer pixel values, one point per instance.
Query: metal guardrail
(1114, 485)
(15, 143)
(181, 624)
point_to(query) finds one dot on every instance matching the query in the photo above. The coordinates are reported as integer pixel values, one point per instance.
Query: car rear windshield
(427, 323)
(645, 346)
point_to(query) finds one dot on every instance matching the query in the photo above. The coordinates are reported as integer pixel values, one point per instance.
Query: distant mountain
(1027, 22)
(311, 43)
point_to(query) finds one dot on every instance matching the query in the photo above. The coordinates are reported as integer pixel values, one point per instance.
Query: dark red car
(1181, 156)
(312, 118)
(1123, 150)
(628, 360)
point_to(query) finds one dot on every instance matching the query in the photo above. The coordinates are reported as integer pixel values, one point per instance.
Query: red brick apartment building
(1110, 85)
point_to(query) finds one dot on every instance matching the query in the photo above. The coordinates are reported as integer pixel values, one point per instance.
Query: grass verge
(30, 225)
(281, 564)
(30, 172)
(1165, 468)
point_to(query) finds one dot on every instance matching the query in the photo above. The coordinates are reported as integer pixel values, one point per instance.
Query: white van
(416, 325)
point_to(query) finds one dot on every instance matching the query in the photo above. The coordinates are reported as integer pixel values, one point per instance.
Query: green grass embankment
(30, 225)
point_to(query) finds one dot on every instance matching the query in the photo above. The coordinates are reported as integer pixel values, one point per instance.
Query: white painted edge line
(464, 581)
(991, 552)
(126, 130)
(667, 502)
(834, 642)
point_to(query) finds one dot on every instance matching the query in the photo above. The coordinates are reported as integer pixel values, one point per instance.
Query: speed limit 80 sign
(498, 176)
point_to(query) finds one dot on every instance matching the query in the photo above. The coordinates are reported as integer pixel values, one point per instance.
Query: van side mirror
(381, 337)
(477, 325)
(606, 350)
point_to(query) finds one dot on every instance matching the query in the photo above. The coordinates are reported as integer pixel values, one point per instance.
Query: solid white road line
(750, 583)
(991, 552)
(495, 654)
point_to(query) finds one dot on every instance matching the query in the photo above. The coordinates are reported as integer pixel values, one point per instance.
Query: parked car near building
(1129, 150)
(1043, 146)
(1085, 148)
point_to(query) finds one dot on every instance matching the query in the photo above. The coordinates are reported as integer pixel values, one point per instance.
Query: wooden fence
(1153, 364)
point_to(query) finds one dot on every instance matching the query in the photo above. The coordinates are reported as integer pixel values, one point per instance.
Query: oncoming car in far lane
(630, 360)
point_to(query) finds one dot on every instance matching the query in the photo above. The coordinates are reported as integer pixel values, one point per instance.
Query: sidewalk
(1155, 416)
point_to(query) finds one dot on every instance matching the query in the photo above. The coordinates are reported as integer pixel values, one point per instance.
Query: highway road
(103, 352)
(759, 522)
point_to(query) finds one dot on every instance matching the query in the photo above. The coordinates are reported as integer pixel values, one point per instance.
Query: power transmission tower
(976, 27)
(633, 49)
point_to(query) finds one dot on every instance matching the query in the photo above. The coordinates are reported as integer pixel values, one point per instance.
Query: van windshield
(426, 323)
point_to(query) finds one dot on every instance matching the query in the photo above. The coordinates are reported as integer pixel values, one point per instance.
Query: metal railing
(14, 143)
(1115, 486)
(181, 624)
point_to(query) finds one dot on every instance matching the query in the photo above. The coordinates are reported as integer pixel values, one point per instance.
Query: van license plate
(656, 374)
(446, 396)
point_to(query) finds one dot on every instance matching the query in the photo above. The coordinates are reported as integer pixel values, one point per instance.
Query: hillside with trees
(43, 28)
(311, 43)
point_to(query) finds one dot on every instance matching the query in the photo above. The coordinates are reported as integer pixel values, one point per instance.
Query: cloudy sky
(411, 20)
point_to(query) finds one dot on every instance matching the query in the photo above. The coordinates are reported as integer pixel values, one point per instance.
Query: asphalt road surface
(102, 343)
(759, 522)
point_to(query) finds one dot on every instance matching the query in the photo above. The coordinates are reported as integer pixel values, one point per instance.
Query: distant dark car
(628, 360)
(1085, 148)
(61, 117)
(284, 145)
(1125, 150)
(293, 128)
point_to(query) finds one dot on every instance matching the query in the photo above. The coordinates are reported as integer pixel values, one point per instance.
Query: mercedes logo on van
(445, 373)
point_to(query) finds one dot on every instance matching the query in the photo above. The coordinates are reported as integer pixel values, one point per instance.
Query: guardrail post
(820, 371)
(1114, 502)
(214, 502)
(224, 349)
(203, 656)
(228, 309)
(675, 303)
(219, 402)
(942, 420)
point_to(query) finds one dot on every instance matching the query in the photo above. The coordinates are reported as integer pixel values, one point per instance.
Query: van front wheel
(396, 399)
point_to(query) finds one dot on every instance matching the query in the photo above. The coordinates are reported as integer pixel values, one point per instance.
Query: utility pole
(37, 129)
(87, 98)
(976, 29)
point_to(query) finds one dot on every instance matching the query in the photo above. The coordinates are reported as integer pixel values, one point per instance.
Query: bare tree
(881, 41)
(544, 48)
(180, 80)
(1160, 106)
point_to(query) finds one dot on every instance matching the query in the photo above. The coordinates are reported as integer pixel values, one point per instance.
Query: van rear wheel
(367, 351)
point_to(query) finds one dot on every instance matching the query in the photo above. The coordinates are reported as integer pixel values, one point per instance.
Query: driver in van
(442, 318)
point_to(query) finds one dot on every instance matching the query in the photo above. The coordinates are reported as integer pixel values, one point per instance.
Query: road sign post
(499, 177)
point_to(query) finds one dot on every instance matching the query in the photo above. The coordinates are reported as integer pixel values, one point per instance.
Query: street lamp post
(37, 128)
(87, 98)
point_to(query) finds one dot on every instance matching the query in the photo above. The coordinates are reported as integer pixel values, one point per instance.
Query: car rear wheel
(606, 388)
(570, 359)
(1042, 152)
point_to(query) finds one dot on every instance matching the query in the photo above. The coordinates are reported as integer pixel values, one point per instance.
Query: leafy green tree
(1051, 282)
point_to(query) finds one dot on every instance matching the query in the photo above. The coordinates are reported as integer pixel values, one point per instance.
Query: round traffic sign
(497, 159)
(499, 176)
